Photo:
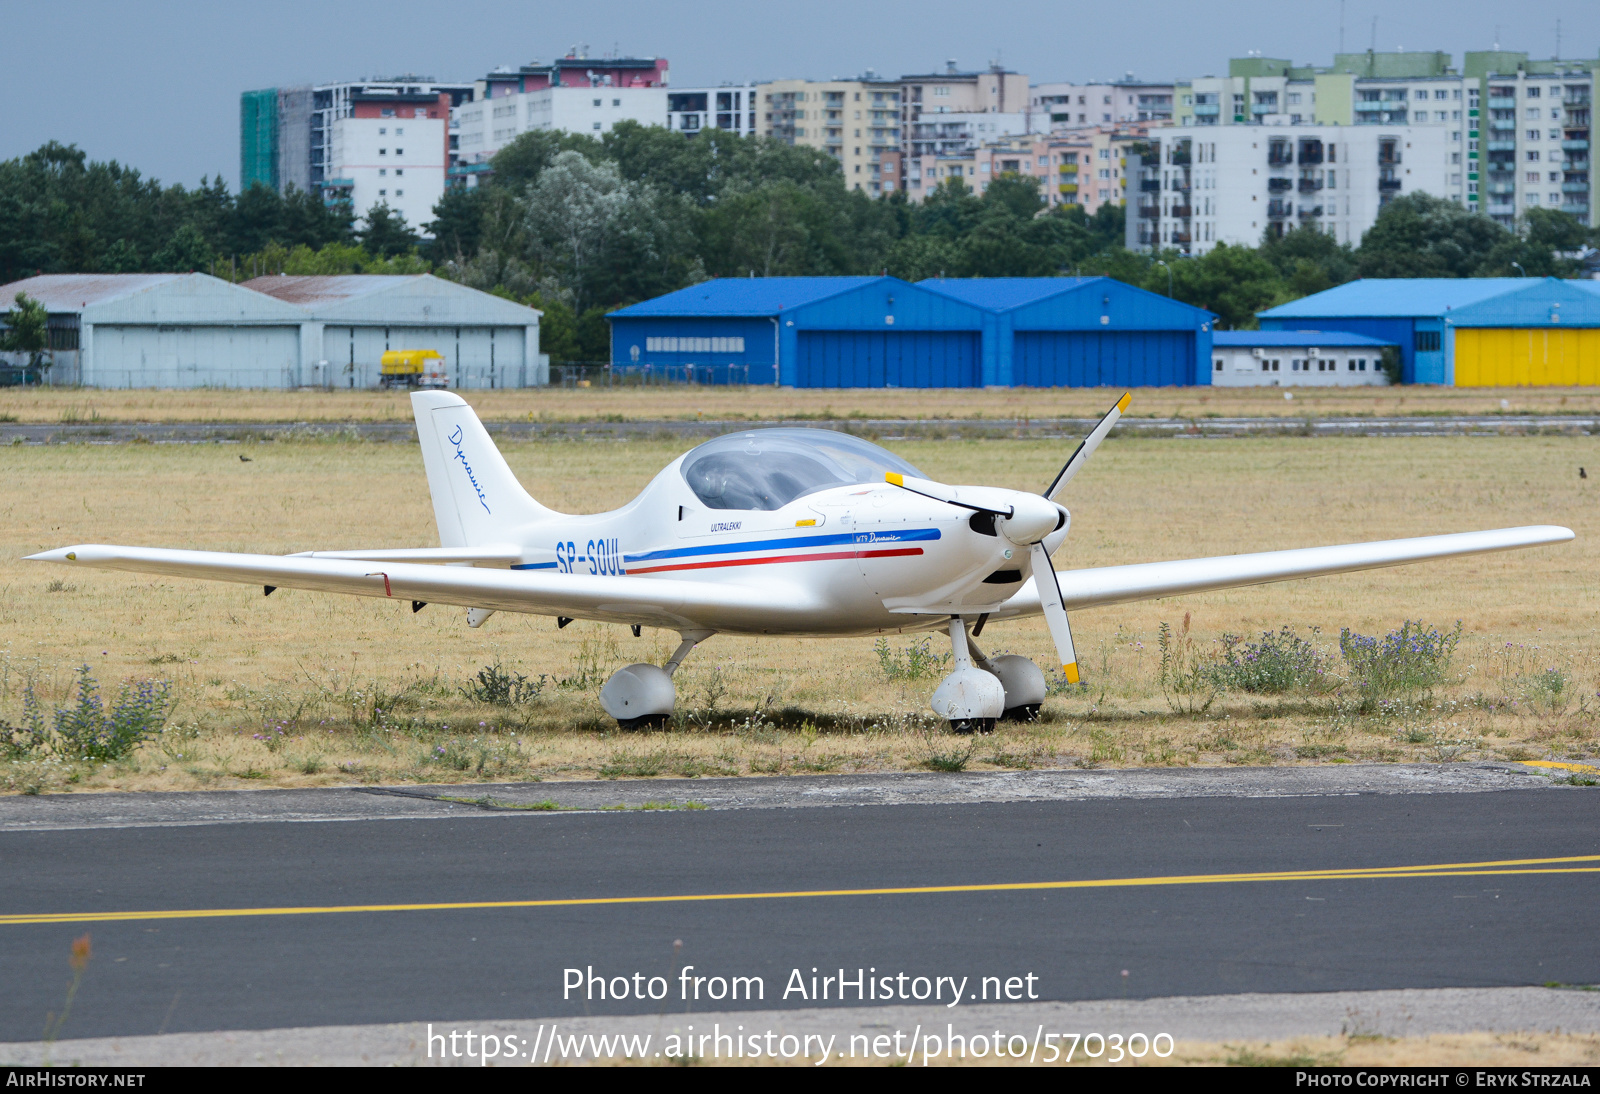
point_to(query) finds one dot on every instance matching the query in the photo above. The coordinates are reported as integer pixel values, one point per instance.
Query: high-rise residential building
(1357, 89)
(958, 134)
(384, 146)
(938, 111)
(1530, 130)
(857, 122)
(1198, 186)
(1087, 168)
(275, 138)
(1519, 130)
(1083, 106)
(731, 107)
(574, 94)
(358, 143)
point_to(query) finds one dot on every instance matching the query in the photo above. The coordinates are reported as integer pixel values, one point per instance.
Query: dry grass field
(307, 689)
(51, 405)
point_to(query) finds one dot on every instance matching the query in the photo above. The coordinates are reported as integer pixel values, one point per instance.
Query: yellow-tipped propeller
(1044, 574)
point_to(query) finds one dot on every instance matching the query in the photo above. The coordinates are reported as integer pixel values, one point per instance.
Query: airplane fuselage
(872, 558)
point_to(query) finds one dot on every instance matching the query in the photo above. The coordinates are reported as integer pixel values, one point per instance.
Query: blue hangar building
(842, 332)
(1469, 332)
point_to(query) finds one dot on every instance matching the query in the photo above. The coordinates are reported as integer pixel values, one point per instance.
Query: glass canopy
(769, 468)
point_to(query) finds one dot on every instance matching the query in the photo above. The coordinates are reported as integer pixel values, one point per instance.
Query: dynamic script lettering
(455, 439)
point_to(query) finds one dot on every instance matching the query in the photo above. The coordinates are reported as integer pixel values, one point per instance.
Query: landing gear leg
(641, 696)
(970, 699)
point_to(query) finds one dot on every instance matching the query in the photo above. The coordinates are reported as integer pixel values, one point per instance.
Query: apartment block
(1082, 106)
(1530, 134)
(857, 122)
(356, 143)
(1086, 168)
(390, 149)
(1198, 186)
(957, 134)
(1519, 129)
(730, 107)
(937, 109)
(574, 94)
(1357, 89)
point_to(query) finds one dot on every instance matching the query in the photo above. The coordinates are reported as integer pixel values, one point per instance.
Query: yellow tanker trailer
(413, 368)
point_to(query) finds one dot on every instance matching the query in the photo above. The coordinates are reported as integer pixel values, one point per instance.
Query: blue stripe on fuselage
(910, 534)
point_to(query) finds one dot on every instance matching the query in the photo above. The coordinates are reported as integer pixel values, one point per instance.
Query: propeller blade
(1055, 614)
(938, 491)
(1086, 449)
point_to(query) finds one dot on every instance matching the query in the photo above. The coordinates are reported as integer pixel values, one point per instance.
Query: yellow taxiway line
(1586, 769)
(1502, 868)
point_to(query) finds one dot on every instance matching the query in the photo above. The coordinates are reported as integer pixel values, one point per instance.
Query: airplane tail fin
(476, 498)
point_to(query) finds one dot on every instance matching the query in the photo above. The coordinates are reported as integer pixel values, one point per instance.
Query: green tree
(1309, 261)
(1233, 282)
(779, 229)
(599, 238)
(27, 331)
(523, 160)
(558, 328)
(1548, 243)
(457, 225)
(1419, 235)
(186, 252)
(386, 233)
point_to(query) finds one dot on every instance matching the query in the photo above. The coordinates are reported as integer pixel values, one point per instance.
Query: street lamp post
(1159, 262)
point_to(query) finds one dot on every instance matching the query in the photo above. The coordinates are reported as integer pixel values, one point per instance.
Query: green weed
(914, 661)
(1403, 662)
(1187, 681)
(1278, 662)
(496, 686)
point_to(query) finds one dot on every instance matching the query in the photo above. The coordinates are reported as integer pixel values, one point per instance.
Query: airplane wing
(504, 554)
(651, 602)
(1099, 586)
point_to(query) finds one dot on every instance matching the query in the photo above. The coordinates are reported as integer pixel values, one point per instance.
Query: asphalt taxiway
(272, 909)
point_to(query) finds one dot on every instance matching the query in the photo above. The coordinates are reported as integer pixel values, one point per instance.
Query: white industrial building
(193, 330)
(487, 341)
(1296, 358)
(1198, 186)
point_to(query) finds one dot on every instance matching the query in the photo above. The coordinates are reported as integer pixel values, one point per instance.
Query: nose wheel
(983, 690)
(969, 698)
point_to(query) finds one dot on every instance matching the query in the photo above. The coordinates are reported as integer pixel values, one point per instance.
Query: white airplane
(776, 531)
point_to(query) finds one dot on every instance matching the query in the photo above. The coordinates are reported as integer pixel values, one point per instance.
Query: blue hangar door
(1091, 358)
(847, 358)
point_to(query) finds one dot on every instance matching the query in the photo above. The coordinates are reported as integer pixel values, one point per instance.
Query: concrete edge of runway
(1253, 1017)
(57, 812)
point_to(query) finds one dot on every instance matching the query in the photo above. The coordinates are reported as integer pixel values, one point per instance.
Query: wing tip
(1122, 403)
(60, 554)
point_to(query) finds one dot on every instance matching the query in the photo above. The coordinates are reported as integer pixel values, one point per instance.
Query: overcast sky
(156, 85)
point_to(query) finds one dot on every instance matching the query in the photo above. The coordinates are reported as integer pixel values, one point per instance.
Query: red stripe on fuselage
(770, 559)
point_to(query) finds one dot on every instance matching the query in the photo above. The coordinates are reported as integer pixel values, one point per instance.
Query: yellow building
(855, 121)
